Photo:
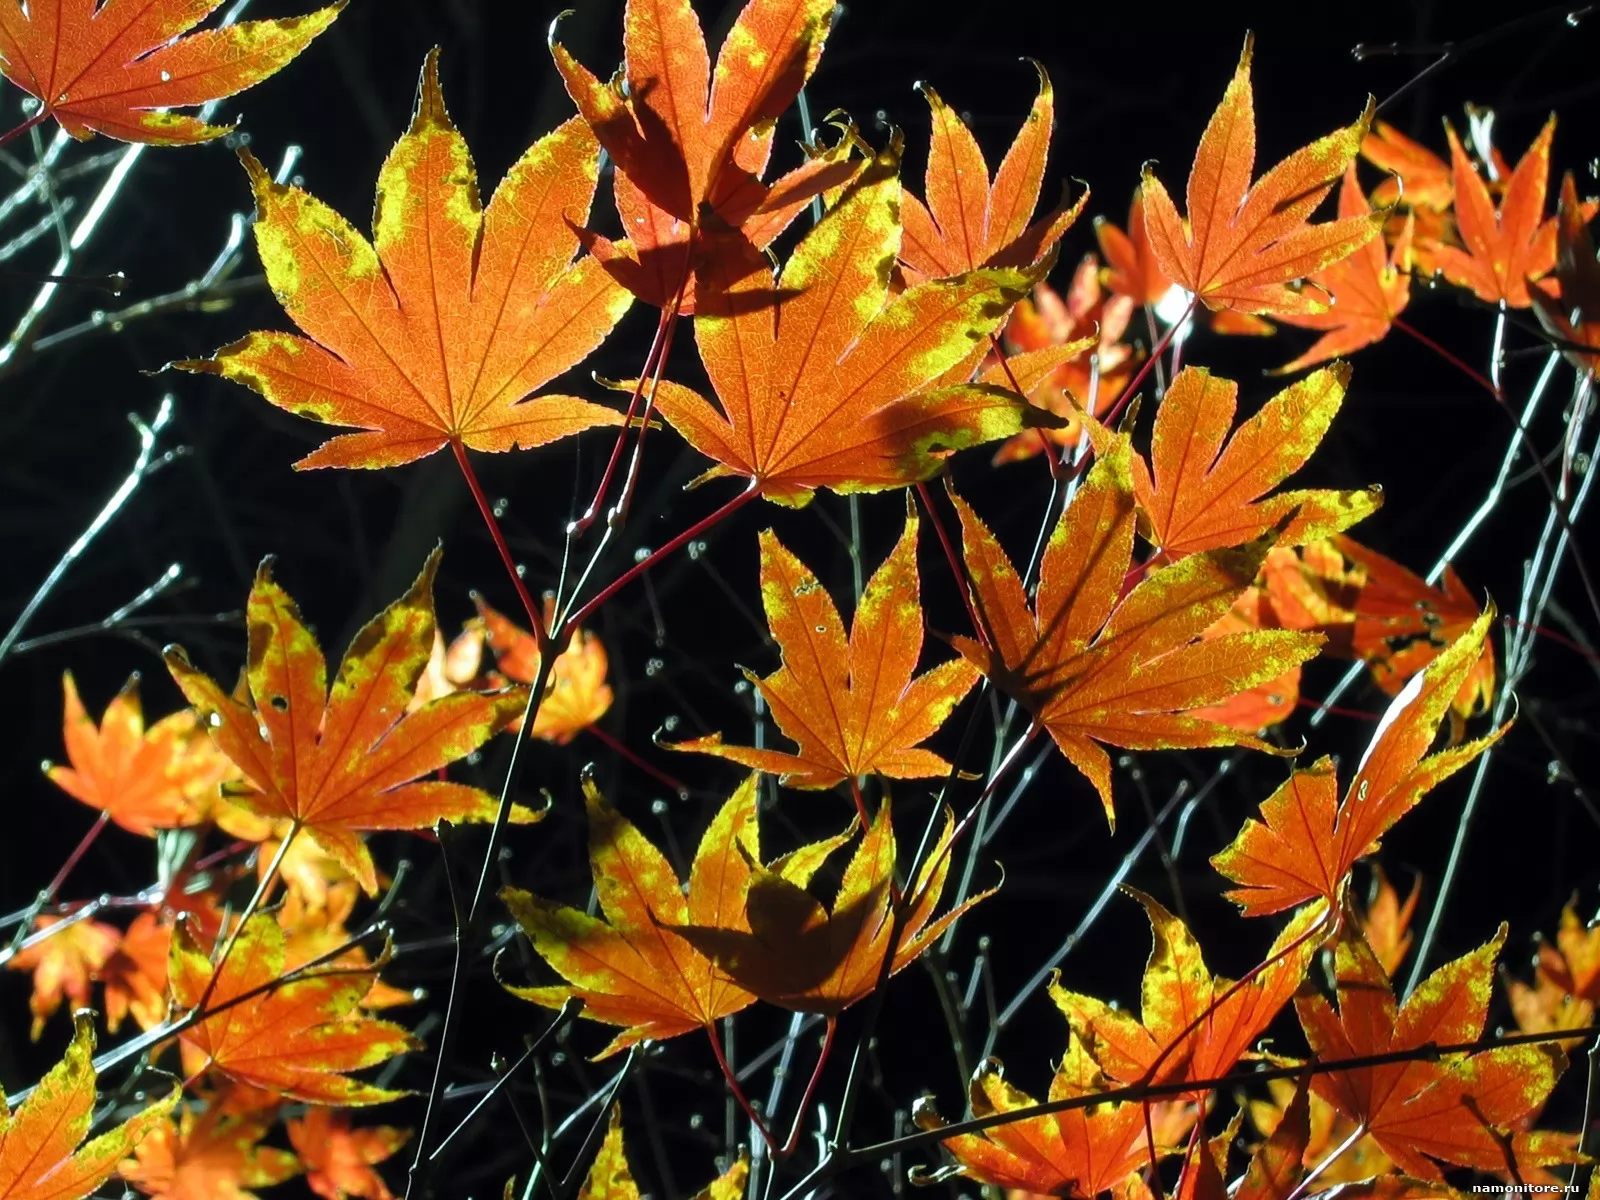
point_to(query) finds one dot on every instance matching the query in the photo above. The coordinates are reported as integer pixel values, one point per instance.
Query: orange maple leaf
(65, 960)
(1093, 669)
(40, 1155)
(135, 974)
(853, 706)
(299, 1036)
(1080, 1152)
(1304, 1132)
(1203, 488)
(1401, 624)
(1574, 314)
(339, 1159)
(1192, 1025)
(1463, 1110)
(1241, 245)
(133, 775)
(1502, 249)
(1268, 703)
(440, 332)
(1303, 843)
(1386, 923)
(1419, 178)
(825, 381)
(337, 762)
(1368, 290)
(793, 952)
(577, 694)
(969, 222)
(116, 67)
(208, 1156)
(1067, 356)
(631, 969)
(1566, 981)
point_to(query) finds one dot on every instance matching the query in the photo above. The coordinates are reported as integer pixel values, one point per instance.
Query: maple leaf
(1266, 704)
(1502, 249)
(1080, 1152)
(338, 1159)
(1192, 1025)
(833, 387)
(40, 1155)
(1305, 1133)
(1574, 314)
(1303, 843)
(1463, 1109)
(135, 974)
(116, 66)
(1092, 668)
(1386, 922)
(577, 694)
(119, 767)
(64, 964)
(674, 126)
(298, 1037)
(440, 331)
(1401, 624)
(337, 762)
(1202, 488)
(315, 932)
(208, 1156)
(631, 969)
(1368, 290)
(793, 952)
(968, 222)
(1067, 356)
(1241, 245)
(1566, 981)
(611, 1178)
(853, 706)
(1419, 178)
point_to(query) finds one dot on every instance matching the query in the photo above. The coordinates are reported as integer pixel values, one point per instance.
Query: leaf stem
(263, 887)
(535, 618)
(38, 118)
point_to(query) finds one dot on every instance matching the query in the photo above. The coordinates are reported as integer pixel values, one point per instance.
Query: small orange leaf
(442, 329)
(208, 1156)
(64, 963)
(338, 762)
(299, 1037)
(1419, 177)
(40, 1155)
(119, 72)
(1093, 666)
(577, 695)
(853, 706)
(1386, 922)
(339, 1159)
(1241, 244)
(136, 974)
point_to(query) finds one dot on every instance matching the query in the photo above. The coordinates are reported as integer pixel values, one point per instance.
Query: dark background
(1132, 84)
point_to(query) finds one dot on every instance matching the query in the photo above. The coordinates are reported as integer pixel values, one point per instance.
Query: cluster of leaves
(1172, 605)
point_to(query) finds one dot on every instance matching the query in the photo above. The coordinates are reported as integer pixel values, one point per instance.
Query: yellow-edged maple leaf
(40, 1155)
(116, 66)
(1094, 668)
(1368, 289)
(336, 762)
(338, 1158)
(64, 964)
(1266, 704)
(1192, 1025)
(854, 706)
(1242, 245)
(824, 381)
(208, 1156)
(121, 768)
(794, 952)
(1419, 178)
(631, 969)
(1080, 1152)
(1502, 250)
(674, 126)
(1464, 1110)
(1303, 843)
(1067, 356)
(577, 695)
(611, 1178)
(441, 330)
(964, 221)
(298, 1037)
(1566, 981)
(1203, 488)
